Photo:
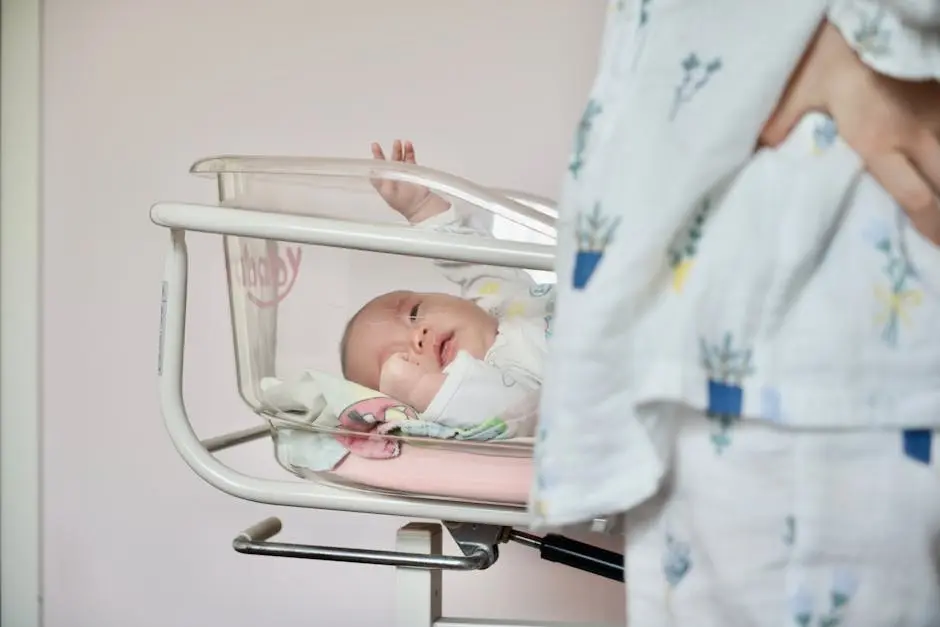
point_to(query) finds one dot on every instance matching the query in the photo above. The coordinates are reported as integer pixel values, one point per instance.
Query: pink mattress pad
(444, 473)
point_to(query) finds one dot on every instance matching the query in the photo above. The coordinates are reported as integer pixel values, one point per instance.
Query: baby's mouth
(444, 352)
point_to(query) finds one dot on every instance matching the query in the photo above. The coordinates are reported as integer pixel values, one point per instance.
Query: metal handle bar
(254, 541)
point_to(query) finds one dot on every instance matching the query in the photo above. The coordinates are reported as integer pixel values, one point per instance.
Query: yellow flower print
(682, 252)
(489, 288)
(896, 306)
(895, 297)
(515, 310)
(680, 273)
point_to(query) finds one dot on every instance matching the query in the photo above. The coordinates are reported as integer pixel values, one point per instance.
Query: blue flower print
(549, 316)
(844, 586)
(695, 75)
(594, 232)
(897, 297)
(842, 590)
(542, 477)
(824, 134)
(540, 482)
(541, 433)
(871, 36)
(645, 12)
(677, 561)
(770, 404)
(550, 307)
(878, 234)
(726, 368)
(789, 531)
(801, 607)
(591, 111)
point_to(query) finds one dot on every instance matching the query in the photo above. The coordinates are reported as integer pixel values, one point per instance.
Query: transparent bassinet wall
(290, 302)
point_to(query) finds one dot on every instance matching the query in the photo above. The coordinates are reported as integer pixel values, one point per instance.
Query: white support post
(21, 317)
(418, 591)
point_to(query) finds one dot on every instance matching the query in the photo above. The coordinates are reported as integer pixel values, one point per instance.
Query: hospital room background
(133, 92)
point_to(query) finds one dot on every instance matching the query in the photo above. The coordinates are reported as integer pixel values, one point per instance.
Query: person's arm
(893, 125)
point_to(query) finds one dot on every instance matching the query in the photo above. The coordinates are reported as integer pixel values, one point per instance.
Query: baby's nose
(422, 339)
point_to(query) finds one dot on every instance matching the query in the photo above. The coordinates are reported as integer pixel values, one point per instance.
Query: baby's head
(429, 328)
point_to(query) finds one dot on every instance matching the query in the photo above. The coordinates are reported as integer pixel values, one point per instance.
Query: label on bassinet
(267, 271)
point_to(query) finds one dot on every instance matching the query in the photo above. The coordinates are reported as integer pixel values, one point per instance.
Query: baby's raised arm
(415, 203)
(488, 286)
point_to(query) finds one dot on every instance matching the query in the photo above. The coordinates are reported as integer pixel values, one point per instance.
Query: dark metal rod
(568, 552)
(474, 561)
(253, 541)
(228, 440)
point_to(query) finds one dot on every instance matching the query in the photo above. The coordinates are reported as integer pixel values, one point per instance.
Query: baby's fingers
(377, 151)
(911, 190)
(409, 152)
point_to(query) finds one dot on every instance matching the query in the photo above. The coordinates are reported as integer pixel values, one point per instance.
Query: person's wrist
(828, 65)
(837, 68)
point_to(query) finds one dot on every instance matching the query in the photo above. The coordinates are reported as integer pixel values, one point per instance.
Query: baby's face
(429, 328)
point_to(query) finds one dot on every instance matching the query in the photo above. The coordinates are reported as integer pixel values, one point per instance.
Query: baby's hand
(414, 202)
(893, 125)
(408, 382)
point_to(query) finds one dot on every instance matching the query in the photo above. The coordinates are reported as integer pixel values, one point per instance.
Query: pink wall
(134, 92)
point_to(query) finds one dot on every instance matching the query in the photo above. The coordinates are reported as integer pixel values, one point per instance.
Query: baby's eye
(414, 313)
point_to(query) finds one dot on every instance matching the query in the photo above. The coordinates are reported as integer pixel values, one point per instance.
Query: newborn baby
(465, 358)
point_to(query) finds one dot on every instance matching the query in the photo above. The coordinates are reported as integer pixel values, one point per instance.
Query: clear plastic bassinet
(290, 302)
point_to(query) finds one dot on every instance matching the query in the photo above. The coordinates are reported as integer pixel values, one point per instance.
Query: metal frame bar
(418, 564)
(235, 438)
(400, 240)
(256, 541)
(528, 210)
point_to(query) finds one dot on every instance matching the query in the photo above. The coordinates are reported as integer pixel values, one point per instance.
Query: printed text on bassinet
(268, 278)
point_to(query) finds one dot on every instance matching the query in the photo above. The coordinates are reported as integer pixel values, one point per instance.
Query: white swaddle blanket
(690, 270)
(321, 418)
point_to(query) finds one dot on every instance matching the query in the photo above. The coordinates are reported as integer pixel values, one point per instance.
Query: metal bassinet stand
(479, 544)
(477, 529)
